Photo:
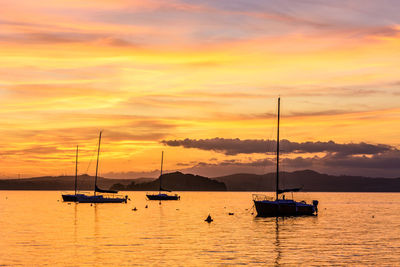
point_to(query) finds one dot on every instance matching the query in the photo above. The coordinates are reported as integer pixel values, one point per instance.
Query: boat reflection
(285, 228)
(277, 242)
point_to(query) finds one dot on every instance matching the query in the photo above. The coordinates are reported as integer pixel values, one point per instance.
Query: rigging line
(251, 210)
(91, 159)
(271, 144)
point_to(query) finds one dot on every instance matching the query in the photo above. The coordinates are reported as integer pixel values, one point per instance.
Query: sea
(38, 229)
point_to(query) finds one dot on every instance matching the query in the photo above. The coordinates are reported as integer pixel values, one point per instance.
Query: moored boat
(269, 207)
(110, 195)
(162, 196)
(73, 197)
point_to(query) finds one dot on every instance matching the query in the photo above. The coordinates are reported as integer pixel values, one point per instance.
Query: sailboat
(73, 197)
(100, 198)
(162, 196)
(269, 207)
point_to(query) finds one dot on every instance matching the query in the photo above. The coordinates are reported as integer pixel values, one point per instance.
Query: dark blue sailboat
(162, 196)
(110, 196)
(269, 207)
(73, 197)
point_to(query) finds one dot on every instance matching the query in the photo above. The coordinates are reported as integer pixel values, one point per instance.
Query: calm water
(37, 228)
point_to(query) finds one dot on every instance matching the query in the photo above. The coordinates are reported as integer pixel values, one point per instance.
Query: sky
(199, 80)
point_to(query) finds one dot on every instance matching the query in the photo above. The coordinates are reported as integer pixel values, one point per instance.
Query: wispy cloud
(146, 71)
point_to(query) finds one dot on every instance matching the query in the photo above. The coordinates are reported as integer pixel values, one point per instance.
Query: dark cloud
(250, 146)
(386, 164)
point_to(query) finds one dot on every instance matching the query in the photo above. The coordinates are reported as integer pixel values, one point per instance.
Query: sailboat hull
(71, 197)
(278, 208)
(163, 197)
(102, 199)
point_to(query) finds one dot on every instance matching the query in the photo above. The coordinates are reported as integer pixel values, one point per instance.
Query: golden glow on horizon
(68, 72)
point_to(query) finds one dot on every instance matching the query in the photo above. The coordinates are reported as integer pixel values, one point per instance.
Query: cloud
(34, 150)
(386, 164)
(250, 146)
(65, 38)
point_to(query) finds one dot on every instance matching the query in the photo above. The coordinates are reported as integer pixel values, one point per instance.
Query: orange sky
(147, 71)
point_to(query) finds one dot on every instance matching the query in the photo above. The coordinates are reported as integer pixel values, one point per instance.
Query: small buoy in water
(159, 203)
(209, 219)
(231, 213)
(252, 213)
(146, 207)
(91, 204)
(177, 209)
(373, 216)
(134, 209)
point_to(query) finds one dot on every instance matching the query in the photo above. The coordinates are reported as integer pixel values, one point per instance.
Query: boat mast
(277, 150)
(97, 164)
(162, 157)
(76, 168)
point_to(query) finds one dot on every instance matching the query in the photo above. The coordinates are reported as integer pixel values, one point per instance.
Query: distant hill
(173, 181)
(178, 181)
(85, 183)
(310, 181)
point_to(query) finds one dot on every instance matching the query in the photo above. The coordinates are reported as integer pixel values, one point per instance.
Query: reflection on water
(277, 243)
(352, 228)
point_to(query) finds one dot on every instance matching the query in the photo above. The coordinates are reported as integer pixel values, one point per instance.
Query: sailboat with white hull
(162, 196)
(100, 198)
(268, 207)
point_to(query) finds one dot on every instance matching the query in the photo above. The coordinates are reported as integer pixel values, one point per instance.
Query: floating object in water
(373, 216)
(231, 213)
(177, 209)
(146, 207)
(209, 219)
(69, 203)
(134, 209)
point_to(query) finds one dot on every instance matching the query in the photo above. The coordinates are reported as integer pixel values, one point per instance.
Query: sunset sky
(199, 80)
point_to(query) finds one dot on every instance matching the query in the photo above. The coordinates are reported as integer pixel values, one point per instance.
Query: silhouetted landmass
(85, 183)
(177, 181)
(309, 180)
(173, 181)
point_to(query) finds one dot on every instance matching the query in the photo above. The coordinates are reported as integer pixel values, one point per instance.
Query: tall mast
(97, 164)
(162, 157)
(277, 150)
(76, 168)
